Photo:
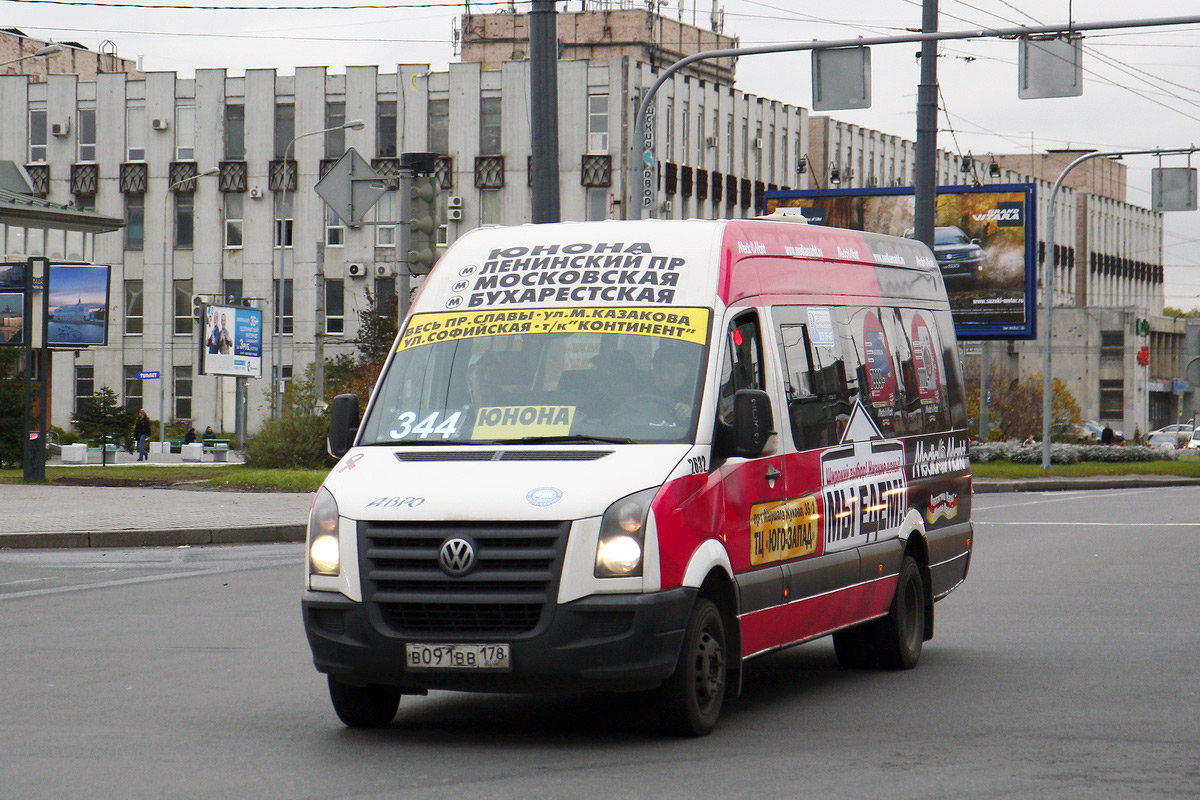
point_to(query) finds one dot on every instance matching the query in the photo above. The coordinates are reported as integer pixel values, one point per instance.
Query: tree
(1015, 408)
(103, 415)
(376, 330)
(12, 409)
(1171, 311)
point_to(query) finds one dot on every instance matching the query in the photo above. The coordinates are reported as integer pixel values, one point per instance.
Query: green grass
(233, 476)
(1186, 466)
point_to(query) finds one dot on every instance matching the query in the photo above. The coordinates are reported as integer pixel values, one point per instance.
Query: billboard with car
(984, 241)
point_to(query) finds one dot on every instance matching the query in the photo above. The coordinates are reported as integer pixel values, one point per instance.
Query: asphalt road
(1066, 666)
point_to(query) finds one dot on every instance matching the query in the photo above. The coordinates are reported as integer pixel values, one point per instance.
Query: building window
(489, 125)
(439, 126)
(597, 111)
(285, 127)
(597, 203)
(1112, 344)
(184, 216)
(384, 300)
(133, 308)
(234, 205)
(232, 289)
(135, 221)
(183, 392)
(1112, 399)
(700, 137)
(335, 307)
(685, 124)
(335, 231)
(385, 211)
(490, 212)
(283, 220)
(135, 134)
(185, 133)
(385, 129)
(729, 143)
(133, 387)
(85, 384)
(87, 134)
(37, 137)
(335, 117)
(670, 134)
(183, 307)
(235, 132)
(286, 303)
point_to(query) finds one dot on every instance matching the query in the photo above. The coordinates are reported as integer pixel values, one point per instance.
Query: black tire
(364, 706)
(898, 636)
(691, 699)
(853, 648)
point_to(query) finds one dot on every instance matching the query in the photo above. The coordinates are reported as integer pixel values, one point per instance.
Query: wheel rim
(710, 670)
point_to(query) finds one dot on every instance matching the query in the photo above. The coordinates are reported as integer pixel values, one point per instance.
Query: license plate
(457, 656)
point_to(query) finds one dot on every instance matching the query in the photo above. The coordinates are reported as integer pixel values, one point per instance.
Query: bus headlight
(324, 549)
(623, 535)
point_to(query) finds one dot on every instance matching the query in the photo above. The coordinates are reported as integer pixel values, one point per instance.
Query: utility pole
(925, 166)
(543, 91)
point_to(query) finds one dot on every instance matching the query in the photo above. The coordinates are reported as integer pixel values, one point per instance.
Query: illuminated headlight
(324, 550)
(623, 535)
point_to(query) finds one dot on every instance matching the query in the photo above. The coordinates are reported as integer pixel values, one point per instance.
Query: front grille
(515, 577)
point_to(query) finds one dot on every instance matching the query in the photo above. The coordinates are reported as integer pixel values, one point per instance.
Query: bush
(297, 439)
(292, 442)
(1017, 453)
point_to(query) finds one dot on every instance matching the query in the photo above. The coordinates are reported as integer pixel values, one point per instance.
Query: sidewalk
(93, 516)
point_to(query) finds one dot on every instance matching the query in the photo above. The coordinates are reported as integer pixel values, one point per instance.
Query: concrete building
(118, 143)
(18, 57)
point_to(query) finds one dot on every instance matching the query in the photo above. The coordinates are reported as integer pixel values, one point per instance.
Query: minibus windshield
(540, 387)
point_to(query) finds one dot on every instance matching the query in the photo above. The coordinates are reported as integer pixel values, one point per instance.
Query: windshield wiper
(570, 438)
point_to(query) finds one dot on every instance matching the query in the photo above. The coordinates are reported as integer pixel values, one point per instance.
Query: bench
(218, 448)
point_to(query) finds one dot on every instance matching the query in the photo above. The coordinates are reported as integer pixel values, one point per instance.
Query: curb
(1001, 485)
(152, 538)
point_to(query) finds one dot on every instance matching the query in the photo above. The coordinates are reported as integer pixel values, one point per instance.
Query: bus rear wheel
(899, 635)
(371, 706)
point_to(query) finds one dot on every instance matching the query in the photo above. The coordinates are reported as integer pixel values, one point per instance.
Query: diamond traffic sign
(351, 187)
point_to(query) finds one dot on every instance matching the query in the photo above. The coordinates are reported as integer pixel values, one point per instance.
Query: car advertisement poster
(231, 341)
(984, 243)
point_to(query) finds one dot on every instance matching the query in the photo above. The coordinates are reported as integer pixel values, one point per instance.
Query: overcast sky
(1141, 89)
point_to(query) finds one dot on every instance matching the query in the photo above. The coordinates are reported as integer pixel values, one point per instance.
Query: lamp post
(281, 231)
(167, 292)
(49, 51)
(1048, 278)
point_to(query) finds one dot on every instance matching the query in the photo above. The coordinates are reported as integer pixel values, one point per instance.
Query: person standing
(141, 432)
(1107, 436)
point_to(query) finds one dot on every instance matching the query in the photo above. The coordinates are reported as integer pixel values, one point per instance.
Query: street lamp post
(167, 293)
(49, 51)
(1048, 278)
(281, 232)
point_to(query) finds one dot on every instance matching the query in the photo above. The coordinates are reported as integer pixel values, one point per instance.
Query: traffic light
(423, 224)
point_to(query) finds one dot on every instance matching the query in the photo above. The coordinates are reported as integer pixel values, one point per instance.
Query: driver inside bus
(670, 381)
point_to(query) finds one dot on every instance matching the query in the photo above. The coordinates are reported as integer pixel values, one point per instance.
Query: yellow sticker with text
(680, 324)
(783, 529)
(513, 422)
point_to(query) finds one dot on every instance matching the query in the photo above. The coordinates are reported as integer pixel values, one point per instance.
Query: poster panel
(231, 341)
(12, 318)
(984, 242)
(78, 305)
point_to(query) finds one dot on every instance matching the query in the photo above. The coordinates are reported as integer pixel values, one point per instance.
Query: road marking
(1061, 497)
(167, 576)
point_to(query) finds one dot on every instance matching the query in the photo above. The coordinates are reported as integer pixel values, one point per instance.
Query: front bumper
(603, 642)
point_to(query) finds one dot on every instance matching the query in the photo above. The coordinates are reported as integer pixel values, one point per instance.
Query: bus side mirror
(753, 423)
(343, 424)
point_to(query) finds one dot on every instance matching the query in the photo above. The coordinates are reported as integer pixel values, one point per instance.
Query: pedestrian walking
(141, 432)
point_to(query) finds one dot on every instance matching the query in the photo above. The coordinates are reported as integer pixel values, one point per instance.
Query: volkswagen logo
(456, 557)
